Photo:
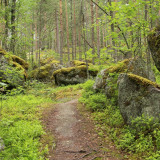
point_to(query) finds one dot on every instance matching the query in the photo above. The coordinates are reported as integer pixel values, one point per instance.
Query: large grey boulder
(72, 75)
(107, 76)
(44, 73)
(100, 81)
(138, 96)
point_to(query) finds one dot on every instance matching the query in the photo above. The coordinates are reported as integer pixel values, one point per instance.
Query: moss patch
(68, 70)
(20, 61)
(142, 81)
(49, 60)
(15, 61)
(44, 71)
(120, 67)
(77, 63)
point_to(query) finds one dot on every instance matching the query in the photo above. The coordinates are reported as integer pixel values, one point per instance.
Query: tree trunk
(57, 33)
(92, 33)
(98, 33)
(13, 27)
(67, 29)
(75, 37)
(5, 43)
(72, 32)
(61, 32)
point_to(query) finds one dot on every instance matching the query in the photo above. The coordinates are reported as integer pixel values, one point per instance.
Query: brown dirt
(74, 134)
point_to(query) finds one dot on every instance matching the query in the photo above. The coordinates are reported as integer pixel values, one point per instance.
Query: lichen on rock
(138, 96)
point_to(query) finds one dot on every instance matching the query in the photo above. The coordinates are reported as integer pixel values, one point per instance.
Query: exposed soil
(74, 134)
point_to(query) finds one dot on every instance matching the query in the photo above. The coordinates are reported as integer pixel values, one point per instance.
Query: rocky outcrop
(136, 66)
(44, 73)
(106, 75)
(12, 69)
(138, 96)
(72, 75)
(154, 45)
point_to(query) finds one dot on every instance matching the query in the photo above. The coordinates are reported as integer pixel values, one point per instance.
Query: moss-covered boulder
(107, 74)
(77, 63)
(44, 73)
(154, 45)
(138, 96)
(73, 75)
(136, 66)
(12, 69)
(49, 60)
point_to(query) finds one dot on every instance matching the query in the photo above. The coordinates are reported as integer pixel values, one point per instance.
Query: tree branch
(86, 41)
(125, 39)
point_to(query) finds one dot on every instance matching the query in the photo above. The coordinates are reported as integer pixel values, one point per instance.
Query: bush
(94, 101)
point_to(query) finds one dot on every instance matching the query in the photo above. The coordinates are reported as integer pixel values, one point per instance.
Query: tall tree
(92, 33)
(61, 31)
(67, 30)
(13, 26)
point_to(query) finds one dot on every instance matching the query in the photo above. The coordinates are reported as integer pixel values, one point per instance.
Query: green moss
(78, 63)
(69, 69)
(21, 61)
(15, 61)
(120, 67)
(19, 67)
(41, 72)
(142, 81)
(49, 60)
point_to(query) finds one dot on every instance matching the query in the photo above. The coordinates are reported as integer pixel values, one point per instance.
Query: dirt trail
(74, 134)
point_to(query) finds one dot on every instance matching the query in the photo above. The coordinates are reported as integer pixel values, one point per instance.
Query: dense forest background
(76, 29)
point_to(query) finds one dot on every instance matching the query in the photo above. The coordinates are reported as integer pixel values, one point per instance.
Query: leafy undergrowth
(141, 140)
(20, 127)
(20, 120)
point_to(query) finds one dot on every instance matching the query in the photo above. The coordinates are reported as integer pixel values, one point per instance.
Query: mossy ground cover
(20, 120)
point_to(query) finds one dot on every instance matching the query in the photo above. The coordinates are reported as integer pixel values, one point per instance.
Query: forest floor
(75, 137)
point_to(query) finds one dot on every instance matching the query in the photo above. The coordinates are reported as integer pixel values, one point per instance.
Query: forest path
(75, 135)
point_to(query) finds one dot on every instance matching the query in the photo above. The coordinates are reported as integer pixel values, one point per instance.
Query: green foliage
(93, 101)
(21, 128)
(157, 74)
(142, 137)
